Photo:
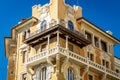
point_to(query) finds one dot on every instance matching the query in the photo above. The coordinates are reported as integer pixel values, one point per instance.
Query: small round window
(43, 25)
(70, 25)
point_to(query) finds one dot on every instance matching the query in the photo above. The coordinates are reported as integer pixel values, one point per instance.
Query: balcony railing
(71, 55)
(61, 22)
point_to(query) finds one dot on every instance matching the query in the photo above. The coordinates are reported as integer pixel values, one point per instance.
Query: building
(57, 43)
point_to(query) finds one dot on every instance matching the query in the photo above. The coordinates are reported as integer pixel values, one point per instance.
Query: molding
(75, 68)
(50, 69)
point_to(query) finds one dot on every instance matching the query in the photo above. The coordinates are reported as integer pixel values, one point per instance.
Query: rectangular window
(43, 47)
(96, 41)
(23, 56)
(24, 76)
(70, 46)
(103, 46)
(90, 77)
(88, 36)
(43, 73)
(105, 63)
(90, 56)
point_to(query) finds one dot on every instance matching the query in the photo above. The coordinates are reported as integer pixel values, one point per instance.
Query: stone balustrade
(73, 56)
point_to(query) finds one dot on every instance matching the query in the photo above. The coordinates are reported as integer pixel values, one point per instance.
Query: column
(48, 46)
(93, 40)
(99, 43)
(57, 64)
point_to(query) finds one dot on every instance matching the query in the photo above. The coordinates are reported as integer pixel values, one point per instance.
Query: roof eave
(112, 37)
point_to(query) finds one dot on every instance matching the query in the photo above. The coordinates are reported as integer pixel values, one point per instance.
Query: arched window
(43, 25)
(70, 25)
(43, 73)
(71, 75)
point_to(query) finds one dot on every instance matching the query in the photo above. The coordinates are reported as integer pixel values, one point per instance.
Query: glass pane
(70, 25)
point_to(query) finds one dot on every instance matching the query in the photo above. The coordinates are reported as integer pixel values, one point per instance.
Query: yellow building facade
(57, 43)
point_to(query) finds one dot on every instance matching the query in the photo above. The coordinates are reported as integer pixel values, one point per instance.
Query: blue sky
(103, 13)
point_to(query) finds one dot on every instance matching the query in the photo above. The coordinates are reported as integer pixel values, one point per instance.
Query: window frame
(70, 25)
(70, 72)
(103, 43)
(43, 25)
(22, 74)
(90, 56)
(90, 75)
(105, 63)
(88, 36)
(96, 42)
(42, 73)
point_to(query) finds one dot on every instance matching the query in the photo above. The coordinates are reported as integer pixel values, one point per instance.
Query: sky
(103, 13)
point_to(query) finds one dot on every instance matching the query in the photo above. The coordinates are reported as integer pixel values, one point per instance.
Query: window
(43, 25)
(28, 33)
(88, 36)
(43, 73)
(105, 63)
(90, 77)
(103, 46)
(70, 25)
(43, 47)
(90, 56)
(24, 35)
(24, 76)
(117, 71)
(70, 46)
(23, 56)
(71, 75)
(96, 42)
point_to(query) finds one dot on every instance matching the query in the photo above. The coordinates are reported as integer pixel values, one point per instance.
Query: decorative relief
(90, 48)
(44, 9)
(75, 68)
(50, 69)
(70, 10)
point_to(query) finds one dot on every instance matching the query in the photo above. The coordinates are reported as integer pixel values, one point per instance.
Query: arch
(49, 69)
(75, 70)
(70, 25)
(43, 25)
(71, 74)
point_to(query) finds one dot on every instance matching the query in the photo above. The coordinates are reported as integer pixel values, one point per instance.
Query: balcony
(42, 56)
(38, 36)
